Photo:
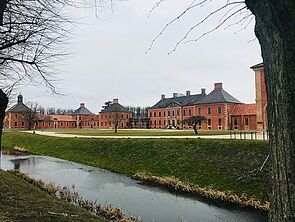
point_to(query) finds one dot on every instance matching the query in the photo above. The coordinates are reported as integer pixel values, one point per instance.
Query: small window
(177, 112)
(209, 110)
(155, 114)
(219, 110)
(150, 114)
(246, 121)
(168, 113)
(189, 112)
(235, 121)
(173, 113)
(127, 116)
(122, 116)
(209, 122)
(67, 124)
(199, 111)
(184, 112)
(164, 122)
(43, 124)
(169, 122)
(15, 124)
(155, 122)
(15, 115)
(159, 113)
(49, 124)
(219, 122)
(61, 124)
(160, 123)
(23, 124)
(164, 113)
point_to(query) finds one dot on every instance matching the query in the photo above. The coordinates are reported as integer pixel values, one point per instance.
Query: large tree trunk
(3, 106)
(275, 30)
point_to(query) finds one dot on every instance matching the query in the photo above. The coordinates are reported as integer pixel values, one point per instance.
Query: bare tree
(194, 121)
(274, 29)
(32, 42)
(115, 120)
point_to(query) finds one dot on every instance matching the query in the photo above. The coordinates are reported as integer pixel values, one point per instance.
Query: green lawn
(22, 201)
(206, 162)
(149, 132)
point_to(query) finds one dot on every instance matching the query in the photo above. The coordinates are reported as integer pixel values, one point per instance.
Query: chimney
(174, 95)
(162, 96)
(218, 86)
(20, 98)
(115, 100)
(203, 91)
(188, 93)
(82, 105)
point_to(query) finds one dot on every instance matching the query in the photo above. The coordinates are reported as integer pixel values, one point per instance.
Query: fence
(246, 135)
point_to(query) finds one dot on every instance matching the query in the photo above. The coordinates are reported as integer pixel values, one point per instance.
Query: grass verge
(22, 201)
(148, 132)
(205, 162)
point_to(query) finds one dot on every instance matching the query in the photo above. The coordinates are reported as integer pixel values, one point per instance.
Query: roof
(83, 111)
(114, 107)
(65, 118)
(20, 107)
(178, 101)
(259, 65)
(219, 96)
(244, 110)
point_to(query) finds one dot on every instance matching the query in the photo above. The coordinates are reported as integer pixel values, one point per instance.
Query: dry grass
(109, 213)
(175, 184)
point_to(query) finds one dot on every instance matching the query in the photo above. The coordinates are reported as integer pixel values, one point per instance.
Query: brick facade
(221, 110)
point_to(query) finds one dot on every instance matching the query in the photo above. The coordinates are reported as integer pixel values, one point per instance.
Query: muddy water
(118, 190)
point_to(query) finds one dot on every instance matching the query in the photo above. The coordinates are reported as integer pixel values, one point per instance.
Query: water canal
(121, 191)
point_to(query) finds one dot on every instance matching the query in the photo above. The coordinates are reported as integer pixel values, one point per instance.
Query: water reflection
(121, 191)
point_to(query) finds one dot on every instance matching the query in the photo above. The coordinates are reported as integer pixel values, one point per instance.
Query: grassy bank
(22, 201)
(205, 162)
(135, 132)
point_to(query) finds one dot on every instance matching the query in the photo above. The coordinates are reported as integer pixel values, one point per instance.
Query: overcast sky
(109, 59)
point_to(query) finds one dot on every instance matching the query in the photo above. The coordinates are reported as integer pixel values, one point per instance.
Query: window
(67, 124)
(209, 123)
(160, 123)
(168, 113)
(61, 124)
(189, 112)
(219, 124)
(23, 124)
(49, 124)
(15, 124)
(150, 114)
(164, 113)
(178, 122)
(168, 121)
(122, 116)
(246, 121)
(155, 122)
(235, 121)
(15, 115)
(177, 112)
(219, 110)
(127, 116)
(164, 122)
(43, 124)
(199, 111)
(159, 113)
(155, 114)
(184, 112)
(173, 113)
(36, 124)
(209, 110)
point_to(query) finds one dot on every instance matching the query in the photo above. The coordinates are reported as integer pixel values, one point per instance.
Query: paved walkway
(258, 136)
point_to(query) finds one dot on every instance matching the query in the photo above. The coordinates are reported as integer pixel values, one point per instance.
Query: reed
(67, 194)
(173, 183)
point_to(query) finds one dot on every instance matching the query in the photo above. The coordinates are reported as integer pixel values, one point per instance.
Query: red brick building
(221, 109)
(109, 114)
(218, 107)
